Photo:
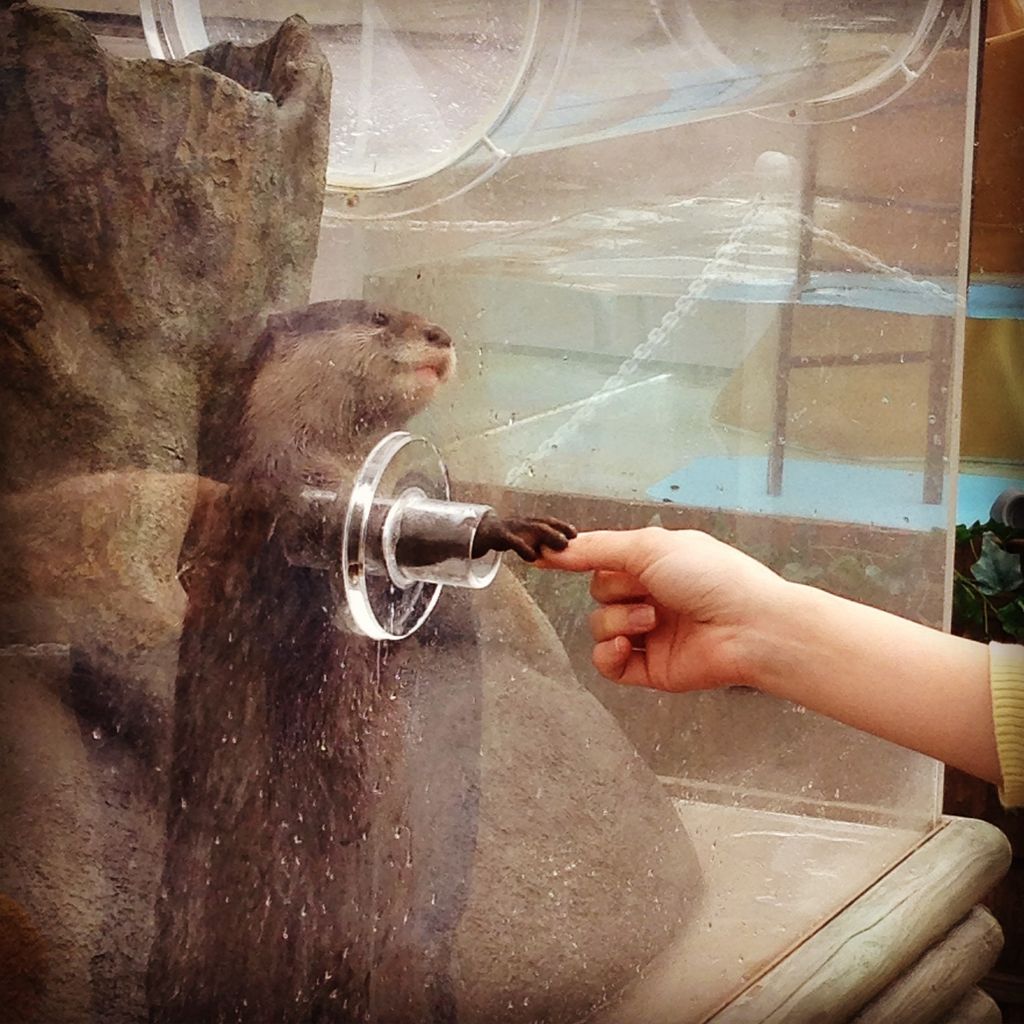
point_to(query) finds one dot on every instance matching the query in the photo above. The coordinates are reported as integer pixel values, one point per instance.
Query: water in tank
(312, 322)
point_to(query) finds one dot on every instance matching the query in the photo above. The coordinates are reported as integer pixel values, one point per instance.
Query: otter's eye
(380, 319)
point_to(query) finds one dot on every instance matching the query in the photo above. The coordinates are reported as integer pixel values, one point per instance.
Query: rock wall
(150, 214)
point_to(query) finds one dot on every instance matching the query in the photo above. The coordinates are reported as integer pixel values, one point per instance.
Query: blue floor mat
(833, 491)
(975, 494)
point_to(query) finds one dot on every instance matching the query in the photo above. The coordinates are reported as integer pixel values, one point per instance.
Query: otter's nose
(435, 336)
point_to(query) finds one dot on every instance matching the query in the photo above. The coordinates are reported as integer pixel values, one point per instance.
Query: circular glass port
(802, 60)
(419, 88)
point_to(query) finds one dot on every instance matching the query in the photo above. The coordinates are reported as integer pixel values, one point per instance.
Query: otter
(323, 788)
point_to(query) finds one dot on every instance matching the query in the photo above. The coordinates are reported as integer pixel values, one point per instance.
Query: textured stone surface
(583, 871)
(150, 208)
(149, 212)
(49, 807)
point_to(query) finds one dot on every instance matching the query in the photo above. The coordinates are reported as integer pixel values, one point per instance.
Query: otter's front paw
(525, 537)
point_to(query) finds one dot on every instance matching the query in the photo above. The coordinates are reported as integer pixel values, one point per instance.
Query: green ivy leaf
(1001, 530)
(967, 606)
(1012, 617)
(997, 571)
(965, 533)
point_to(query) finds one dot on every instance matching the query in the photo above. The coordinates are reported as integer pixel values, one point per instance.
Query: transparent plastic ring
(380, 608)
(402, 491)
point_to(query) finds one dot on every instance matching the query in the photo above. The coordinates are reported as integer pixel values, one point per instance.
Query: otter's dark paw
(525, 537)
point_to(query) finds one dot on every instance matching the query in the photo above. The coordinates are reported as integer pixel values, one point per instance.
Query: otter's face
(421, 354)
(338, 369)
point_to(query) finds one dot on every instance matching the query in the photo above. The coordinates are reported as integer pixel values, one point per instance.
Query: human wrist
(783, 637)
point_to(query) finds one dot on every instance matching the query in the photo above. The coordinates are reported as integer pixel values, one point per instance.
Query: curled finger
(608, 587)
(618, 661)
(623, 620)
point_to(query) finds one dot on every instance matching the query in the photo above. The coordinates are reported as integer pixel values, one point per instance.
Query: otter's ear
(318, 316)
(284, 323)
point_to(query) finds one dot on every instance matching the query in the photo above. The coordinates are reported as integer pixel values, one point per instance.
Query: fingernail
(641, 616)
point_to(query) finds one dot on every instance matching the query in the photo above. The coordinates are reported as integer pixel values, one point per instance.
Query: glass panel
(744, 325)
(699, 265)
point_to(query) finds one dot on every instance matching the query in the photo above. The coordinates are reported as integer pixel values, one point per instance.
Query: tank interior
(702, 265)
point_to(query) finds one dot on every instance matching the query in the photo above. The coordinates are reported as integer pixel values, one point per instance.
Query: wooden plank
(877, 938)
(936, 984)
(975, 1008)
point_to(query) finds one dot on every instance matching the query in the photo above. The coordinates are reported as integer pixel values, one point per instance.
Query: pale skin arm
(679, 610)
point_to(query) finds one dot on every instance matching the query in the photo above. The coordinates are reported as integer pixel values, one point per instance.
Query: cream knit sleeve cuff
(1006, 672)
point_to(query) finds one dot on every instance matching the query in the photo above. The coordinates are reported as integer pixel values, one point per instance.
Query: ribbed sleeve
(1006, 670)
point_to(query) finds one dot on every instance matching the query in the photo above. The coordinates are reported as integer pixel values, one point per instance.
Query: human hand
(678, 611)
(720, 618)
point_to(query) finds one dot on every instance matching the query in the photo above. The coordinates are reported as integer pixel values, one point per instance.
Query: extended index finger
(628, 551)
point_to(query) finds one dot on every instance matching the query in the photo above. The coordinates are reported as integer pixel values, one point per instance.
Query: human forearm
(897, 679)
(722, 618)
